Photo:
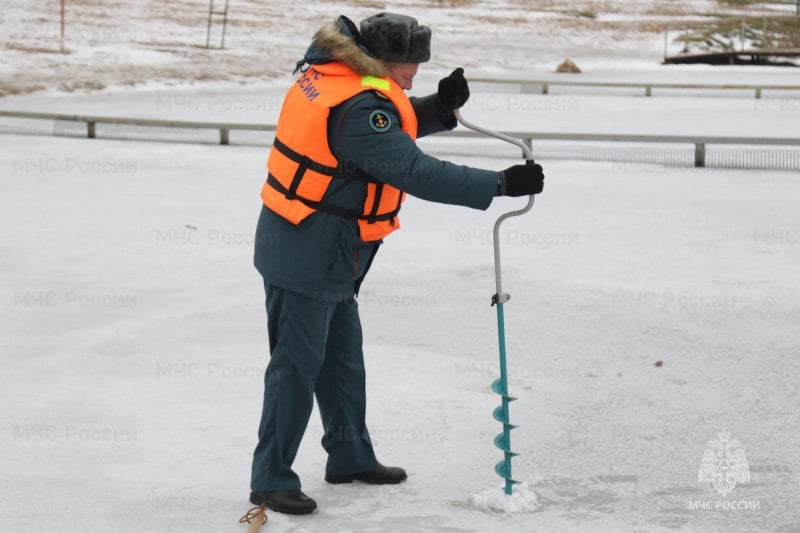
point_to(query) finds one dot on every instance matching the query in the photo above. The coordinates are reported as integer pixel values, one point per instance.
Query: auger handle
(500, 296)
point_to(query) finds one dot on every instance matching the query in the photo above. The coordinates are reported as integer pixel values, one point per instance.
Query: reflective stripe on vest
(301, 166)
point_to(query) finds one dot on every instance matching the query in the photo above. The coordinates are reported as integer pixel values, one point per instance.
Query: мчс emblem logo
(723, 466)
(379, 121)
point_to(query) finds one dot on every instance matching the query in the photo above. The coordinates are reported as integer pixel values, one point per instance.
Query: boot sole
(337, 480)
(260, 500)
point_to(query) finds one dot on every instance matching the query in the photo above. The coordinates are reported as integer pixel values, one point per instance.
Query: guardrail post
(545, 88)
(90, 129)
(223, 135)
(758, 92)
(699, 154)
(648, 90)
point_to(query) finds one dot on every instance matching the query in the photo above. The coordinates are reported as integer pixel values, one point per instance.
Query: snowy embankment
(112, 45)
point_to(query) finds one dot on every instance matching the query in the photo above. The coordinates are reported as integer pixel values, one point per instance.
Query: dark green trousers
(315, 350)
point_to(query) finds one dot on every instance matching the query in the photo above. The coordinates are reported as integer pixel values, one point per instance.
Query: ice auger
(500, 385)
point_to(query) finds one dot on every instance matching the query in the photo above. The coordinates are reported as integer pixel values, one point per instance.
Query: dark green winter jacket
(323, 257)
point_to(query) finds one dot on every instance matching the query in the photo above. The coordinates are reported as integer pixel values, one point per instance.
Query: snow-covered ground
(651, 307)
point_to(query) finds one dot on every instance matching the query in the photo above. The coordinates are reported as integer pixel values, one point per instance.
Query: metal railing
(543, 86)
(90, 126)
(699, 142)
(91, 122)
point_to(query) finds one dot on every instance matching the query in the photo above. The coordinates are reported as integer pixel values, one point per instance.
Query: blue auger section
(502, 442)
(500, 388)
(497, 386)
(502, 470)
(500, 413)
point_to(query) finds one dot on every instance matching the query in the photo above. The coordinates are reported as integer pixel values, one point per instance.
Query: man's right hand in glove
(521, 180)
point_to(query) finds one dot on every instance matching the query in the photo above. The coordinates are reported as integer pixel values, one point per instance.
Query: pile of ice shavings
(521, 500)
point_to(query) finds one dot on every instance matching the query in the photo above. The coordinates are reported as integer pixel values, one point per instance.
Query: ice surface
(133, 346)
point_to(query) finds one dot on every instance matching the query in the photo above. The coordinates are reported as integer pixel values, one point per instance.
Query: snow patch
(521, 500)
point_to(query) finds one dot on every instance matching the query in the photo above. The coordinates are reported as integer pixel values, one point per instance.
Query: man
(343, 158)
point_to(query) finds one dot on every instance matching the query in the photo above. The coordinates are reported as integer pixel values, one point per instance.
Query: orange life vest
(301, 166)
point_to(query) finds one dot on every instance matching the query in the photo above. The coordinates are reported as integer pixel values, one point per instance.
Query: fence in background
(773, 153)
(544, 86)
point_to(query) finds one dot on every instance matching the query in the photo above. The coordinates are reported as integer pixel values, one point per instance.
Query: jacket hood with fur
(341, 41)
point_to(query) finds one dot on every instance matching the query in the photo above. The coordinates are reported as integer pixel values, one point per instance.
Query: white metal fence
(774, 153)
(545, 86)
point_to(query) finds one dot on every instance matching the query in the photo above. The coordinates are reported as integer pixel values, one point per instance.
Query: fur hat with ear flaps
(383, 37)
(398, 38)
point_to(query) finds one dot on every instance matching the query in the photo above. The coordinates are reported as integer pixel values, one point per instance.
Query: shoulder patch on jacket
(380, 121)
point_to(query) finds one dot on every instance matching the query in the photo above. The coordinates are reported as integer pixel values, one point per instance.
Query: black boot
(380, 475)
(284, 501)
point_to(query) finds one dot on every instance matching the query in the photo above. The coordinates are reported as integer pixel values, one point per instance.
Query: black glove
(453, 91)
(521, 180)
